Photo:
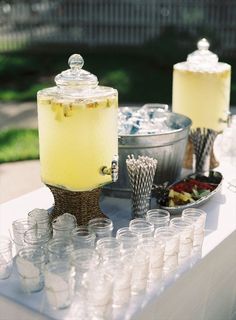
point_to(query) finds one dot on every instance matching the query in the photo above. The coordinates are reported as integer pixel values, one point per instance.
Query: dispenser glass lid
(202, 60)
(76, 76)
(203, 55)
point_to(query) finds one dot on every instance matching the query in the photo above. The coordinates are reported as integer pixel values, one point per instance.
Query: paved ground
(21, 177)
(18, 178)
(21, 115)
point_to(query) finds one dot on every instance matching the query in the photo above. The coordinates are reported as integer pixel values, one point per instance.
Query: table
(206, 290)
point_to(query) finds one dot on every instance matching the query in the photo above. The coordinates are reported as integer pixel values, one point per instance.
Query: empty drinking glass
(59, 249)
(108, 248)
(155, 251)
(170, 239)
(40, 217)
(59, 283)
(84, 260)
(102, 227)
(139, 262)
(198, 218)
(142, 227)
(98, 288)
(83, 237)
(128, 240)
(185, 230)
(158, 217)
(121, 273)
(37, 237)
(30, 263)
(19, 227)
(5, 257)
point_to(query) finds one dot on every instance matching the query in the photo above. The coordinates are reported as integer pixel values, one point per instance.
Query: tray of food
(190, 192)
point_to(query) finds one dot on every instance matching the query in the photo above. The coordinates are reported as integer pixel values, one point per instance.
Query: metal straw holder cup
(189, 160)
(141, 172)
(140, 206)
(203, 141)
(204, 166)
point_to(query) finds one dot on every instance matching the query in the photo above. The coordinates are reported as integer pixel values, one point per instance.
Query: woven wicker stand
(83, 205)
(188, 157)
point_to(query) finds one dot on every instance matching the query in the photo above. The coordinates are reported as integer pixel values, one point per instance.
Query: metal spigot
(113, 170)
(227, 120)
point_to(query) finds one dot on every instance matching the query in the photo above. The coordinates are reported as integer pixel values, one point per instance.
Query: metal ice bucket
(168, 148)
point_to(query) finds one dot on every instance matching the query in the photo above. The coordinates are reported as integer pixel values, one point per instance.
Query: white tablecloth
(205, 291)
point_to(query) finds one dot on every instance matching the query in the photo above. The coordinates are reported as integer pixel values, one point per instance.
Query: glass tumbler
(82, 237)
(128, 240)
(139, 262)
(158, 217)
(37, 237)
(5, 257)
(59, 249)
(155, 251)
(19, 227)
(98, 288)
(198, 218)
(40, 217)
(108, 248)
(121, 273)
(59, 283)
(185, 230)
(170, 239)
(84, 260)
(30, 263)
(102, 227)
(142, 227)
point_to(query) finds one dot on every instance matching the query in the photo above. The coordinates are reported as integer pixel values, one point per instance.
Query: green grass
(18, 144)
(28, 94)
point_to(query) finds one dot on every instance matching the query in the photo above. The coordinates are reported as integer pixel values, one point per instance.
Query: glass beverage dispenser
(201, 88)
(201, 91)
(78, 140)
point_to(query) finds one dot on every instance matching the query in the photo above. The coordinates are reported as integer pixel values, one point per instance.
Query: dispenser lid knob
(76, 61)
(76, 77)
(203, 44)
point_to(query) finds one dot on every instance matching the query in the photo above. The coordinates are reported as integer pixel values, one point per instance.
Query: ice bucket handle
(161, 106)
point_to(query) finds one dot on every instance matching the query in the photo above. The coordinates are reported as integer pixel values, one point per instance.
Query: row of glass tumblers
(94, 271)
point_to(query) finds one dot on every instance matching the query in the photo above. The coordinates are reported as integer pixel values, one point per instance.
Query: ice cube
(65, 219)
(149, 119)
(126, 112)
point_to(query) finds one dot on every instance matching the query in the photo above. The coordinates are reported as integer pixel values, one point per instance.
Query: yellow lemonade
(77, 138)
(202, 96)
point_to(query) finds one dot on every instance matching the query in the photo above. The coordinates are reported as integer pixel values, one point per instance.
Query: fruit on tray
(186, 191)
